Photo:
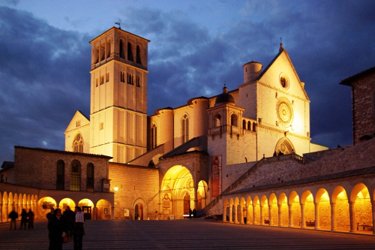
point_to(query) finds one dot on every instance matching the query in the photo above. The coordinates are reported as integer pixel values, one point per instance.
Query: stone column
(279, 215)
(290, 215)
(353, 227)
(242, 216)
(303, 221)
(236, 214)
(261, 215)
(225, 214)
(230, 213)
(373, 216)
(333, 215)
(316, 216)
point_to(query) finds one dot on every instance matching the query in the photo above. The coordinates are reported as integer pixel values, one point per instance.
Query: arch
(103, 210)
(176, 182)
(362, 208)
(202, 194)
(5, 211)
(78, 143)
(283, 210)
(45, 204)
(308, 205)
(234, 120)
(257, 215)
(243, 210)
(274, 211)
(284, 146)
(185, 128)
(87, 207)
(217, 120)
(139, 209)
(250, 211)
(67, 202)
(248, 125)
(231, 211)
(295, 209)
(340, 203)
(75, 176)
(265, 209)
(323, 207)
(90, 178)
(60, 175)
(243, 124)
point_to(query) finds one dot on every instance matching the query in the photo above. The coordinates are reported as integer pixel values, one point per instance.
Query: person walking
(55, 230)
(30, 216)
(79, 230)
(68, 219)
(13, 216)
(23, 219)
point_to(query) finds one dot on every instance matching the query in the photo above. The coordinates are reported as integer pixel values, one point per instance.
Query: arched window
(60, 175)
(90, 176)
(78, 144)
(75, 176)
(122, 52)
(153, 136)
(130, 52)
(138, 55)
(108, 49)
(233, 120)
(185, 129)
(243, 124)
(254, 127)
(217, 120)
(248, 125)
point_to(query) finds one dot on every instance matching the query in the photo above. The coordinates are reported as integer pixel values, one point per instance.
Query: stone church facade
(228, 154)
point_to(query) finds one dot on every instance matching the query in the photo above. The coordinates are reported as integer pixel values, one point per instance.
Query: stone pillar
(236, 214)
(303, 221)
(261, 215)
(316, 216)
(279, 215)
(242, 217)
(270, 215)
(95, 213)
(290, 215)
(230, 213)
(373, 216)
(353, 227)
(333, 215)
(225, 214)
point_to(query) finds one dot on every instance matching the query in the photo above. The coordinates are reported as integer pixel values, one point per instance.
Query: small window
(130, 79)
(107, 77)
(185, 129)
(122, 53)
(108, 49)
(101, 126)
(90, 176)
(233, 120)
(243, 124)
(75, 176)
(60, 175)
(78, 123)
(138, 81)
(101, 80)
(138, 56)
(122, 76)
(217, 120)
(96, 82)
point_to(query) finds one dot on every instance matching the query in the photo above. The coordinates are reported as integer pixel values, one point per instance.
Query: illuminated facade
(245, 153)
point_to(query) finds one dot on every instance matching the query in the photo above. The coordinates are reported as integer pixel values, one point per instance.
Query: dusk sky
(196, 47)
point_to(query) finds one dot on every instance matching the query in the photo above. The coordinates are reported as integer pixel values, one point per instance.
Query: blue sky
(196, 47)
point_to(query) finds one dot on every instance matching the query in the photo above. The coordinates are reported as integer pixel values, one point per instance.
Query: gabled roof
(283, 51)
(77, 114)
(350, 80)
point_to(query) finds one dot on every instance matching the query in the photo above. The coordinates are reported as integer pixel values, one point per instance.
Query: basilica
(244, 155)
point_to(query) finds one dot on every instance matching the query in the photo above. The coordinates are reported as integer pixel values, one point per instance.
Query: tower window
(185, 129)
(138, 56)
(130, 52)
(101, 80)
(217, 120)
(233, 120)
(108, 49)
(107, 77)
(122, 53)
(153, 136)
(137, 81)
(130, 79)
(122, 76)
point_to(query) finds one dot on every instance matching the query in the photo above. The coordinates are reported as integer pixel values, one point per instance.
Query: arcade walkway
(188, 234)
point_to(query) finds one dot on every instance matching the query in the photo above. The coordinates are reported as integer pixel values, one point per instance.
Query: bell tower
(118, 105)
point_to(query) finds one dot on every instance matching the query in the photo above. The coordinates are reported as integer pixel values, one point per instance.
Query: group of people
(63, 226)
(27, 219)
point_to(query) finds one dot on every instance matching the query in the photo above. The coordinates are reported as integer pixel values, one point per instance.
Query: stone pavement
(187, 234)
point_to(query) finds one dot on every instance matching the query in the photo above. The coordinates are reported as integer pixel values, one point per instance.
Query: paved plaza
(187, 234)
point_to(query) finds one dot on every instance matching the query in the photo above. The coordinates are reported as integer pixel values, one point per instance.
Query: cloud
(45, 78)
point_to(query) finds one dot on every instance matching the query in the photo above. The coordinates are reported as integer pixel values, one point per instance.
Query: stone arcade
(245, 153)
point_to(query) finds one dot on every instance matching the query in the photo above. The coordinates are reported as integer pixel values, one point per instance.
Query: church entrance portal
(177, 190)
